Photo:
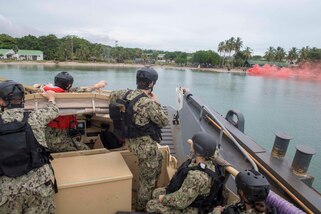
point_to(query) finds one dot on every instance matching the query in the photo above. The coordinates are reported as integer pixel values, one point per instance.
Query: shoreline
(124, 65)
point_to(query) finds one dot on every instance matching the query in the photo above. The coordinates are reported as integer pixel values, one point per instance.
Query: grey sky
(168, 24)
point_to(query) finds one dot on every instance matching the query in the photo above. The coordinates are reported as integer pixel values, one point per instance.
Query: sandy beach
(102, 64)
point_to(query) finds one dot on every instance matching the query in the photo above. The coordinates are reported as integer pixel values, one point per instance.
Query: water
(268, 105)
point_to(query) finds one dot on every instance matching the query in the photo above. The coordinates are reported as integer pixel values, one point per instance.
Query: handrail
(233, 140)
(204, 107)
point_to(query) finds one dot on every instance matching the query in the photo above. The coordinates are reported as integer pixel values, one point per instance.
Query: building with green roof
(261, 62)
(6, 53)
(29, 55)
(21, 54)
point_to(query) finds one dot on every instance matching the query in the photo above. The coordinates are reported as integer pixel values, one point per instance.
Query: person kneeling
(197, 185)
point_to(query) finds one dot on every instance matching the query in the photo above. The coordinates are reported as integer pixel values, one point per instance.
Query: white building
(6, 53)
(161, 58)
(29, 55)
(21, 54)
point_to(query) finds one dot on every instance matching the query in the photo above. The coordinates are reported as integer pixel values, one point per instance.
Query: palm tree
(247, 53)
(303, 53)
(279, 54)
(222, 48)
(292, 54)
(230, 45)
(238, 44)
(270, 54)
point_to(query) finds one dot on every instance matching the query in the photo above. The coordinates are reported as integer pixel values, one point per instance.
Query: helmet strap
(68, 87)
(15, 105)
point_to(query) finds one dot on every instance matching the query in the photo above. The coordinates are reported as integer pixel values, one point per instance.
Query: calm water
(268, 105)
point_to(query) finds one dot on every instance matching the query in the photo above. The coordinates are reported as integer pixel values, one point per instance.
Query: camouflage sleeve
(188, 192)
(157, 114)
(114, 95)
(45, 115)
(81, 89)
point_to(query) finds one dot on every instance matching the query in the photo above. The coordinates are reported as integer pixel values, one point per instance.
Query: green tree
(241, 56)
(238, 44)
(170, 56)
(222, 48)
(28, 43)
(230, 45)
(270, 54)
(256, 57)
(303, 53)
(292, 54)
(206, 58)
(83, 53)
(314, 54)
(181, 59)
(65, 50)
(7, 42)
(247, 53)
(50, 46)
(279, 54)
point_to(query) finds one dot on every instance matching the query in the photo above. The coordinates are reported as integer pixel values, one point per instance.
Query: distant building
(21, 54)
(161, 58)
(250, 63)
(29, 55)
(6, 53)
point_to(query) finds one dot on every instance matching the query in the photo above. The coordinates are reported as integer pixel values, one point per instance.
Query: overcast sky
(184, 25)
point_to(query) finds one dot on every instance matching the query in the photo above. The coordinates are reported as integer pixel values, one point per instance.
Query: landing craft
(105, 179)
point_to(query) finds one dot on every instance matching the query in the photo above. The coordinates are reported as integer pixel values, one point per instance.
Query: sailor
(143, 119)
(197, 186)
(59, 133)
(253, 189)
(26, 176)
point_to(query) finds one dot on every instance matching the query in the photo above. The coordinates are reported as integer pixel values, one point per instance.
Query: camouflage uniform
(32, 192)
(145, 148)
(58, 139)
(196, 183)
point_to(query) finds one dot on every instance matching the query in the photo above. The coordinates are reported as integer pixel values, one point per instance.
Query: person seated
(59, 135)
(197, 185)
(253, 189)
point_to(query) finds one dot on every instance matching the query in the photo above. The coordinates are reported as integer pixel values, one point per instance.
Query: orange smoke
(309, 71)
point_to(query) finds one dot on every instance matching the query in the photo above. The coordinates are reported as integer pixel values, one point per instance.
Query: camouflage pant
(37, 201)
(149, 167)
(59, 141)
(155, 206)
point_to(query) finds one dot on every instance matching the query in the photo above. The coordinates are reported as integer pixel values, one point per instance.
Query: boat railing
(207, 113)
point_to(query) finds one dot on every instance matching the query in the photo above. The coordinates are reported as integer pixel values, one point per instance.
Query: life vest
(61, 122)
(204, 203)
(122, 114)
(20, 151)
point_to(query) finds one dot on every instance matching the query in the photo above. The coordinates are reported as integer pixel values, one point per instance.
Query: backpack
(122, 114)
(204, 203)
(20, 151)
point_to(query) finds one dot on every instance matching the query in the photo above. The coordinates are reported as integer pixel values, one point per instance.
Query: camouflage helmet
(204, 144)
(146, 75)
(64, 80)
(254, 185)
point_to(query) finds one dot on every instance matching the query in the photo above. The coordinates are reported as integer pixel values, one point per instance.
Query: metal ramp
(167, 135)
